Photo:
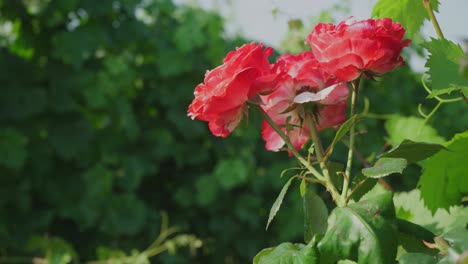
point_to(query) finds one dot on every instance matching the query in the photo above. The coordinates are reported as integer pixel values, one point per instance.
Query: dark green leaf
(443, 182)
(287, 253)
(366, 184)
(384, 167)
(443, 66)
(315, 215)
(231, 173)
(364, 232)
(12, 148)
(335, 169)
(207, 189)
(414, 230)
(413, 151)
(412, 258)
(398, 11)
(413, 128)
(279, 200)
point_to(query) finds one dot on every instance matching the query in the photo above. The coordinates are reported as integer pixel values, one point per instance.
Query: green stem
(354, 90)
(291, 148)
(319, 153)
(451, 100)
(435, 23)
(432, 112)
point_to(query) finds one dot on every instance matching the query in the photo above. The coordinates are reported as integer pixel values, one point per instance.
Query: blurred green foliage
(95, 142)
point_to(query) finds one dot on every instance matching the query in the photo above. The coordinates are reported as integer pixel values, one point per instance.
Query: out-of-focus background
(95, 142)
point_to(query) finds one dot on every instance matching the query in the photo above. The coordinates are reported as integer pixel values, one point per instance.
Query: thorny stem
(319, 153)
(430, 12)
(354, 90)
(291, 148)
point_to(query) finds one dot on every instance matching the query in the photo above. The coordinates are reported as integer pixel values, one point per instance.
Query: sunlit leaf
(443, 182)
(413, 128)
(398, 11)
(443, 64)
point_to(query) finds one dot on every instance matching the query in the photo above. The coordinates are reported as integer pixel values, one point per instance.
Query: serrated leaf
(287, 253)
(410, 207)
(344, 128)
(443, 181)
(384, 167)
(315, 215)
(458, 246)
(443, 64)
(364, 232)
(279, 200)
(411, 258)
(398, 11)
(413, 151)
(413, 128)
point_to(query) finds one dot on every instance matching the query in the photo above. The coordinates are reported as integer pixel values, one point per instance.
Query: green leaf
(303, 188)
(279, 200)
(443, 181)
(315, 215)
(410, 207)
(458, 246)
(398, 11)
(344, 128)
(413, 128)
(413, 151)
(364, 188)
(411, 237)
(414, 230)
(335, 169)
(443, 64)
(207, 189)
(231, 173)
(287, 253)
(411, 258)
(55, 249)
(13, 151)
(364, 232)
(384, 167)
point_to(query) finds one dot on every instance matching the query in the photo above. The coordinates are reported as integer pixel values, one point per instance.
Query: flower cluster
(298, 92)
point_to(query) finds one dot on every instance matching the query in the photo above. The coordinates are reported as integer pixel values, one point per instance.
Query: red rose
(221, 98)
(353, 47)
(303, 82)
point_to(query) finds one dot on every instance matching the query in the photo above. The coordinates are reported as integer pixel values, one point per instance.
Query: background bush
(95, 142)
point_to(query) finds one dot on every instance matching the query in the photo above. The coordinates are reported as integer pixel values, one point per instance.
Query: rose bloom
(303, 82)
(370, 47)
(221, 98)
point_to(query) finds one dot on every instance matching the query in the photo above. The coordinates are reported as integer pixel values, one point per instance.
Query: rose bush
(308, 93)
(351, 48)
(221, 99)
